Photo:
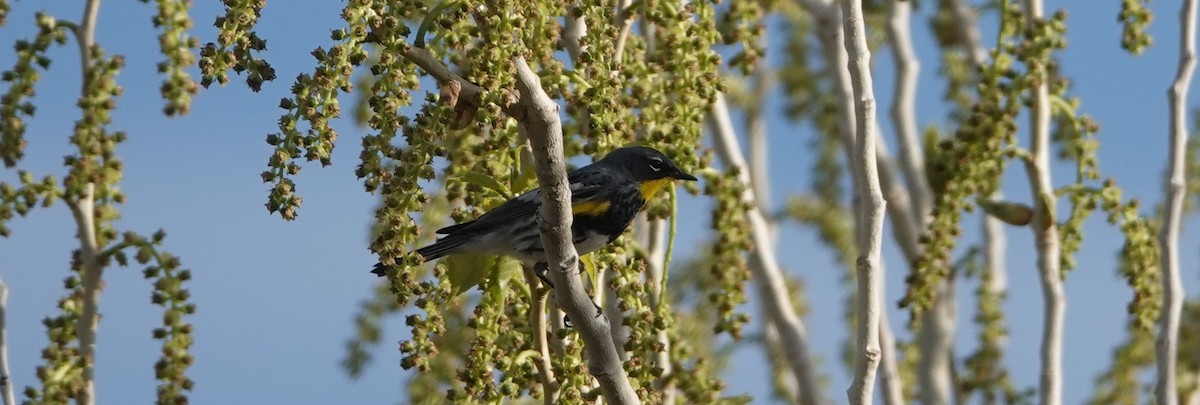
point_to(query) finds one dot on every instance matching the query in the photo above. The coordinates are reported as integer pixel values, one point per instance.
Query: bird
(605, 197)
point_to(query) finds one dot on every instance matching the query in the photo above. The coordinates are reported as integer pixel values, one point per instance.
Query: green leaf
(590, 267)
(467, 271)
(485, 181)
(1010, 212)
(507, 268)
(736, 400)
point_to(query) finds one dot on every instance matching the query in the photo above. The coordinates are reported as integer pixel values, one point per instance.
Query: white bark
(889, 381)
(84, 212)
(936, 339)
(903, 111)
(772, 289)
(1174, 188)
(543, 126)
(656, 254)
(6, 384)
(905, 225)
(1045, 232)
(871, 207)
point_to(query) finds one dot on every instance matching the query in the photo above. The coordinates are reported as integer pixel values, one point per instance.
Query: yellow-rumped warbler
(605, 197)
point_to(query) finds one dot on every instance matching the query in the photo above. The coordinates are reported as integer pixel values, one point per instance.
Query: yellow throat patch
(650, 188)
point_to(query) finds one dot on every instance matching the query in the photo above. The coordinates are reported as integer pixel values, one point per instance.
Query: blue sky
(276, 298)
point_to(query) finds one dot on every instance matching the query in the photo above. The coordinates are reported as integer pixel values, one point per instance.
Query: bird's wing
(585, 187)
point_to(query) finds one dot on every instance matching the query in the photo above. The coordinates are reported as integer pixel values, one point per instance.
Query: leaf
(736, 400)
(1010, 212)
(507, 268)
(467, 271)
(524, 177)
(485, 181)
(590, 267)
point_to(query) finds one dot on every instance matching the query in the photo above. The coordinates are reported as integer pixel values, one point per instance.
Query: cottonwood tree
(506, 94)
(90, 188)
(647, 71)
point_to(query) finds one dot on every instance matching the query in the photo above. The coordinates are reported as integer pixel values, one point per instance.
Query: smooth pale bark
(1045, 232)
(6, 384)
(542, 124)
(85, 219)
(772, 290)
(1167, 344)
(871, 207)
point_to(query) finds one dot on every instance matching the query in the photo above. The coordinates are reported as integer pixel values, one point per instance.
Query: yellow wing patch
(593, 208)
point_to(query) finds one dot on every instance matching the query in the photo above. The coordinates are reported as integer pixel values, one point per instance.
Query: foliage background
(276, 298)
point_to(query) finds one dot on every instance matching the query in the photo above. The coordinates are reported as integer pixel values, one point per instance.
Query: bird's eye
(656, 165)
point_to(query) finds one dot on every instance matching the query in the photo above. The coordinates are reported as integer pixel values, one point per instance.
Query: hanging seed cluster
(175, 43)
(236, 45)
(94, 172)
(655, 94)
(1135, 19)
(970, 163)
(31, 56)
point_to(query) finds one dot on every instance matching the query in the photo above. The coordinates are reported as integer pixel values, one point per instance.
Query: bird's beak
(684, 176)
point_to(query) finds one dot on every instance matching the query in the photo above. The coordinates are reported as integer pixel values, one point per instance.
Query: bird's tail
(432, 252)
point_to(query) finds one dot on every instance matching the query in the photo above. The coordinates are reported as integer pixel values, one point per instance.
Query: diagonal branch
(469, 92)
(1168, 333)
(772, 289)
(543, 126)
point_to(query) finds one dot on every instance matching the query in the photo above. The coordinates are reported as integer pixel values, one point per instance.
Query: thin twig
(890, 381)
(469, 92)
(935, 339)
(871, 209)
(89, 318)
(968, 31)
(1045, 231)
(537, 318)
(1172, 304)
(543, 126)
(625, 20)
(84, 212)
(656, 265)
(573, 32)
(903, 111)
(772, 289)
(6, 385)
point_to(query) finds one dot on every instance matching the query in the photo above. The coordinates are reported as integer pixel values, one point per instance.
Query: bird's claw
(567, 318)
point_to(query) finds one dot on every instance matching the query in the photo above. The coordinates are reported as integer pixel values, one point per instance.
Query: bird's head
(646, 164)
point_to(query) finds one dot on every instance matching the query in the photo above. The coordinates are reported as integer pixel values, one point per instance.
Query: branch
(869, 218)
(89, 319)
(892, 384)
(964, 22)
(468, 92)
(772, 289)
(656, 272)
(1174, 188)
(573, 32)
(542, 125)
(935, 338)
(1045, 231)
(84, 212)
(903, 111)
(537, 318)
(6, 385)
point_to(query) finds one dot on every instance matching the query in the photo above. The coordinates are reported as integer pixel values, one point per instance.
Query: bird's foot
(567, 318)
(539, 270)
